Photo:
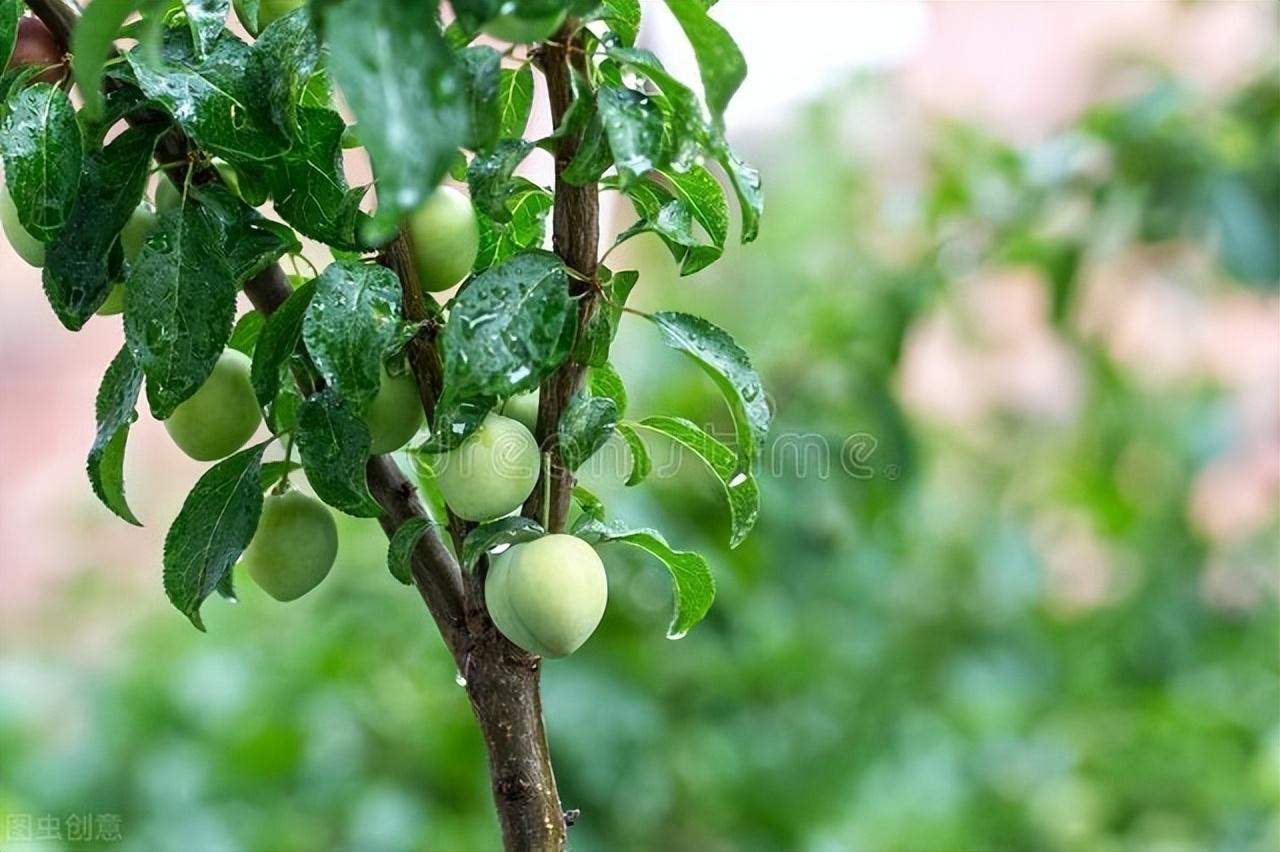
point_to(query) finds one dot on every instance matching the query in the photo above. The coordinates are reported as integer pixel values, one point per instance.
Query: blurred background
(1015, 583)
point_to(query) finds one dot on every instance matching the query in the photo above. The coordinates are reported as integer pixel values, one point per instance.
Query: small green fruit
(490, 473)
(547, 596)
(222, 415)
(519, 30)
(395, 415)
(28, 247)
(268, 12)
(523, 408)
(294, 546)
(445, 239)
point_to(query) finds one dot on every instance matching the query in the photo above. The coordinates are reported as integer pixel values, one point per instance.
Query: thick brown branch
(576, 239)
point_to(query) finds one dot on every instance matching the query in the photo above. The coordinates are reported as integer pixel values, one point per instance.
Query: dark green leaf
(282, 62)
(507, 329)
(623, 18)
(402, 82)
(77, 272)
(490, 177)
(179, 304)
(353, 321)
(206, 18)
(334, 445)
(730, 368)
(585, 425)
(274, 472)
(309, 186)
(593, 157)
(515, 100)
(603, 380)
(634, 126)
(43, 155)
(482, 71)
(251, 241)
(403, 543)
(529, 205)
(694, 586)
(244, 335)
(116, 410)
(641, 464)
(602, 325)
(504, 531)
(278, 341)
(456, 420)
(740, 487)
(10, 11)
(215, 525)
(720, 62)
(704, 197)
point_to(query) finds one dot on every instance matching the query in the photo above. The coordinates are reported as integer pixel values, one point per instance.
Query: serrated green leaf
(179, 304)
(206, 18)
(694, 586)
(403, 543)
(489, 177)
(526, 229)
(353, 321)
(334, 443)
(486, 537)
(635, 128)
(401, 80)
(77, 271)
(703, 195)
(515, 101)
(507, 329)
(214, 526)
(251, 241)
(274, 472)
(482, 72)
(601, 326)
(641, 463)
(278, 340)
(244, 334)
(91, 44)
(43, 156)
(593, 157)
(720, 61)
(730, 368)
(309, 185)
(116, 410)
(687, 133)
(603, 380)
(282, 63)
(740, 488)
(210, 97)
(585, 425)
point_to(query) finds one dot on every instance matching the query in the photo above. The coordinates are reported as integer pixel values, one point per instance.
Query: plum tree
(524, 30)
(28, 247)
(255, 129)
(491, 472)
(221, 415)
(36, 45)
(294, 546)
(267, 12)
(523, 408)
(395, 415)
(444, 238)
(131, 240)
(547, 595)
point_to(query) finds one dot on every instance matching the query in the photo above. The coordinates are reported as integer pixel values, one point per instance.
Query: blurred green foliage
(886, 666)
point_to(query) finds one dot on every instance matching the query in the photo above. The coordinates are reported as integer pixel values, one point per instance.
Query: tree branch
(576, 239)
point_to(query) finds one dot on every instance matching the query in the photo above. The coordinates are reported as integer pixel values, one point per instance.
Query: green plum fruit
(28, 247)
(518, 30)
(445, 239)
(395, 415)
(294, 547)
(548, 595)
(490, 473)
(523, 408)
(222, 415)
(268, 12)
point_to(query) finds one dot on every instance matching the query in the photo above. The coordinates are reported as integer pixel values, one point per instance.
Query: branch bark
(502, 680)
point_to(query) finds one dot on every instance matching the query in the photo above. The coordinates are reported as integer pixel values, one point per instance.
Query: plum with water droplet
(395, 415)
(222, 415)
(294, 547)
(490, 473)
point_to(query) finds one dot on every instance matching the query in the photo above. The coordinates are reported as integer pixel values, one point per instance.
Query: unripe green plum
(294, 546)
(519, 30)
(523, 407)
(132, 237)
(28, 247)
(445, 239)
(548, 595)
(36, 45)
(395, 415)
(490, 473)
(268, 12)
(222, 415)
